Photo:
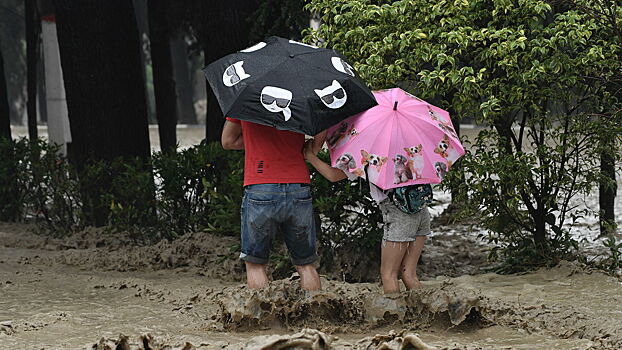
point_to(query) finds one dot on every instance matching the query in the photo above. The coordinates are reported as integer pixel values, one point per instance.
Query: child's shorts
(403, 227)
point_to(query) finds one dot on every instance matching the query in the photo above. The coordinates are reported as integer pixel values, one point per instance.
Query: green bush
(131, 197)
(53, 195)
(14, 157)
(223, 188)
(36, 182)
(350, 217)
(199, 188)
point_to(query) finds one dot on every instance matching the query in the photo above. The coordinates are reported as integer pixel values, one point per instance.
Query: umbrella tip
(395, 106)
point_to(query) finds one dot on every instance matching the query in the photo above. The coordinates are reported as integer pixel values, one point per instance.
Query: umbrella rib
(393, 130)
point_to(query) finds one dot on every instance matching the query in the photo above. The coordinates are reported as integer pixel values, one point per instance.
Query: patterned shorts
(402, 227)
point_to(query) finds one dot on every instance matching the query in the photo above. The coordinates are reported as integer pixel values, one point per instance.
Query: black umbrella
(288, 85)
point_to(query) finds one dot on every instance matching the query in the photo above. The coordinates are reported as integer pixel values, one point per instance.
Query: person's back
(277, 198)
(272, 156)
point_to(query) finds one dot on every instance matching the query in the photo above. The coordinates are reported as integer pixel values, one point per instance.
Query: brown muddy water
(97, 291)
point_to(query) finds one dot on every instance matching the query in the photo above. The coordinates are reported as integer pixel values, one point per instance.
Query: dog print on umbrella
(415, 160)
(342, 66)
(401, 172)
(277, 100)
(441, 169)
(333, 96)
(346, 162)
(343, 134)
(447, 151)
(234, 74)
(444, 125)
(374, 164)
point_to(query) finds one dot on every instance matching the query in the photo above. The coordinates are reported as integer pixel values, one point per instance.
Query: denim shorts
(271, 208)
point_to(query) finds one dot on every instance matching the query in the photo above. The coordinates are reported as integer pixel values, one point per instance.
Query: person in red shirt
(277, 198)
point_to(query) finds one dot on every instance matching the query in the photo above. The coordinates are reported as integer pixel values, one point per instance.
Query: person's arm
(330, 173)
(231, 137)
(318, 141)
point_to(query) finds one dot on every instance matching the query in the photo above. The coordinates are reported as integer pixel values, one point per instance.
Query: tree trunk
(33, 31)
(214, 121)
(232, 15)
(5, 110)
(163, 82)
(140, 7)
(539, 234)
(100, 57)
(42, 97)
(458, 191)
(55, 103)
(183, 85)
(607, 191)
(9, 207)
(198, 87)
(101, 62)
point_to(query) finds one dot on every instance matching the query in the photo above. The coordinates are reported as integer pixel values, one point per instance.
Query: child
(404, 234)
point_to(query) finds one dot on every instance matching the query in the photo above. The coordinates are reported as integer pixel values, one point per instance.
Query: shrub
(14, 157)
(350, 217)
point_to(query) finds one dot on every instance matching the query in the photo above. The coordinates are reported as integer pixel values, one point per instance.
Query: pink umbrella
(402, 141)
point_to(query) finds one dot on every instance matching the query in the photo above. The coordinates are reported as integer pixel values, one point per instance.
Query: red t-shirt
(272, 155)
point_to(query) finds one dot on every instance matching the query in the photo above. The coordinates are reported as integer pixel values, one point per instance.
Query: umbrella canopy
(402, 141)
(288, 85)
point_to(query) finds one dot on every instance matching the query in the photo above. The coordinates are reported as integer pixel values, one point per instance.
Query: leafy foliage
(348, 214)
(518, 67)
(284, 18)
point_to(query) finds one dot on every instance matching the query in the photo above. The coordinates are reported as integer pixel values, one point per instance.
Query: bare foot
(413, 284)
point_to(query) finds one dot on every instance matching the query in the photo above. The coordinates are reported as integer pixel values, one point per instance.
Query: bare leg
(256, 275)
(390, 263)
(409, 274)
(309, 278)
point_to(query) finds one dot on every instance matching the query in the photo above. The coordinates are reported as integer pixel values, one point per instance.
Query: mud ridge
(340, 307)
(310, 339)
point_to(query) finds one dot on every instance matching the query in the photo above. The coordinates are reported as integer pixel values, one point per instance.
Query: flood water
(55, 297)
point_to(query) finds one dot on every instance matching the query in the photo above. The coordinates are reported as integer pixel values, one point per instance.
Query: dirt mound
(307, 339)
(97, 249)
(450, 252)
(340, 307)
(191, 250)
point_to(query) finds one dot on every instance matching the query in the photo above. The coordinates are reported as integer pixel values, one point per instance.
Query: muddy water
(68, 296)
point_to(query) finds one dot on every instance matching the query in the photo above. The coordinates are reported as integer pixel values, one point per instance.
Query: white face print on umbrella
(277, 100)
(342, 66)
(333, 96)
(234, 74)
(258, 46)
(303, 44)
